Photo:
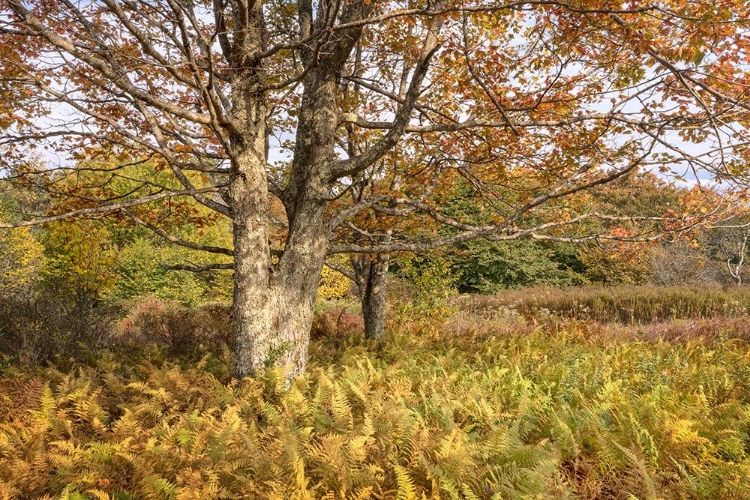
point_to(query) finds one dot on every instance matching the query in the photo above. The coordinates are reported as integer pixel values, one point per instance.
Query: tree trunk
(274, 305)
(252, 308)
(273, 310)
(371, 272)
(295, 286)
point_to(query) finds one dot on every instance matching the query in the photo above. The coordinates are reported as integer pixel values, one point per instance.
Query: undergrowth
(554, 412)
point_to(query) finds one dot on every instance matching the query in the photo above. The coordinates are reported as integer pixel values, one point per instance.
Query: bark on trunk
(294, 287)
(371, 273)
(298, 272)
(252, 307)
(273, 310)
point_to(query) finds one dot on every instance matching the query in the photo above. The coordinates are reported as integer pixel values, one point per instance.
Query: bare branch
(179, 241)
(196, 268)
(105, 208)
(341, 269)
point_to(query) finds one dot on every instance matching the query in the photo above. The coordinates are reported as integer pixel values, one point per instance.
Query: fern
(406, 489)
(642, 470)
(479, 415)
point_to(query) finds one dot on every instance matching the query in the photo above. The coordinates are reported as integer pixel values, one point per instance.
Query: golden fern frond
(101, 495)
(157, 487)
(365, 493)
(468, 493)
(8, 491)
(47, 406)
(405, 484)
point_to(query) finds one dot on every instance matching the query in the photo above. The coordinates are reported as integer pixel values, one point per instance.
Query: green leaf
(698, 58)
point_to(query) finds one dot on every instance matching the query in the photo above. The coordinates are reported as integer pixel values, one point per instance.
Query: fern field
(552, 412)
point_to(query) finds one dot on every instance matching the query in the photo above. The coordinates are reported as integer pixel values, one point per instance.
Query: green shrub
(421, 296)
(141, 273)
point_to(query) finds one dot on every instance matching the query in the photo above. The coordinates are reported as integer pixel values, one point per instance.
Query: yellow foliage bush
(333, 285)
(81, 258)
(425, 287)
(21, 258)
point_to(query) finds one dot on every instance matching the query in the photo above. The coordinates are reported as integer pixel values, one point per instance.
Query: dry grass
(623, 304)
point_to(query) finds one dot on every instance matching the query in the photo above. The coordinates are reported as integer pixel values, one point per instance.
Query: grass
(623, 304)
(486, 406)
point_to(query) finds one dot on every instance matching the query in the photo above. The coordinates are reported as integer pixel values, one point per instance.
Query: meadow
(524, 395)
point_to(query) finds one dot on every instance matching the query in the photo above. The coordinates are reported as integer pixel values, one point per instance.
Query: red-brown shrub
(156, 321)
(335, 322)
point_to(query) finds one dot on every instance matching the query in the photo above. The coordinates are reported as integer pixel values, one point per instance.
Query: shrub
(336, 322)
(333, 285)
(21, 258)
(183, 330)
(140, 274)
(684, 263)
(80, 263)
(421, 296)
(38, 327)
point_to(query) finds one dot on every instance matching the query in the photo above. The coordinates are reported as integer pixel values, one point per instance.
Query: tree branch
(196, 268)
(105, 208)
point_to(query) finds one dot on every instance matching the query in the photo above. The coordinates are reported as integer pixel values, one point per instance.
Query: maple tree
(342, 126)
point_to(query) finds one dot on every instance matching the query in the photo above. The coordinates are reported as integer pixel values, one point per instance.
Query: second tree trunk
(371, 272)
